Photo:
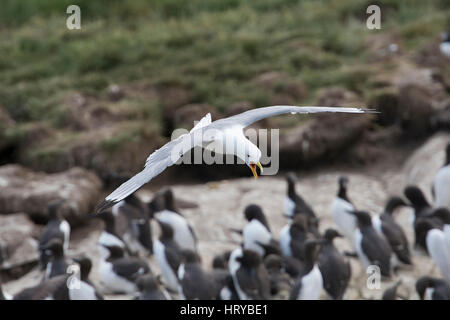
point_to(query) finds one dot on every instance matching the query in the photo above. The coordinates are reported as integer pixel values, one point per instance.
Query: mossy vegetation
(214, 49)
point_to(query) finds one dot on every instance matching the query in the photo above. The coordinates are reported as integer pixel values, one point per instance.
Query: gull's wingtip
(373, 111)
(105, 205)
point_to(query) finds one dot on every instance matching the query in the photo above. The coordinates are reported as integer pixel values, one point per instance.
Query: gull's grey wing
(156, 163)
(251, 116)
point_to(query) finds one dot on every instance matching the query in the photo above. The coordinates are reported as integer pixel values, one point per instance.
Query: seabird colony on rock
(301, 262)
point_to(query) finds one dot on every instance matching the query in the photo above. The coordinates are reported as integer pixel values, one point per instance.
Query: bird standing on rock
(57, 264)
(392, 232)
(334, 267)
(194, 282)
(56, 228)
(340, 210)
(256, 233)
(168, 255)
(309, 283)
(224, 136)
(118, 273)
(183, 233)
(249, 275)
(294, 203)
(372, 249)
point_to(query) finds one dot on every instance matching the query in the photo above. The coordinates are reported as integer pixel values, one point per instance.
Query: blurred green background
(76, 97)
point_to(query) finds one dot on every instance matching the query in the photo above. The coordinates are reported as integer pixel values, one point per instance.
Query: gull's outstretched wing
(156, 163)
(251, 116)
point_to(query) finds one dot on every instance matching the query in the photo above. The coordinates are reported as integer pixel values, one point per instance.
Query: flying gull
(218, 134)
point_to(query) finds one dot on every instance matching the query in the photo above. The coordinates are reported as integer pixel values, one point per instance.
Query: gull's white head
(252, 157)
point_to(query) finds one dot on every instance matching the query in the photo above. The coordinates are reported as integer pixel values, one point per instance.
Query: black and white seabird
(84, 289)
(441, 184)
(57, 228)
(249, 275)
(256, 234)
(371, 248)
(335, 268)
(184, 234)
(118, 274)
(293, 236)
(168, 255)
(430, 288)
(445, 44)
(150, 289)
(436, 244)
(137, 229)
(294, 203)
(309, 283)
(194, 282)
(422, 211)
(340, 208)
(109, 236)
(57, 264)
(392, 232)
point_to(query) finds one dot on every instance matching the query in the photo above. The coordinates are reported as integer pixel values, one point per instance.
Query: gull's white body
(213, 135)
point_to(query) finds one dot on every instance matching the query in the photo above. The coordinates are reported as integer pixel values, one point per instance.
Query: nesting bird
(294, 203)
(57, 264)
(309, 283)
(118, 273)
(168, 255)
(393, 232)
(345, 221)
(194, 282)
(256, 234)
(109, 236)
(334, 267)
(249, 275)
(57, 228)
(183, 233)
(136, 227)
(293, 236)
(436, 240)
(372, 248)
(83, 288)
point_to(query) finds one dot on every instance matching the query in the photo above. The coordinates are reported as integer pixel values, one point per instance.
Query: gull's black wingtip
(104, 205)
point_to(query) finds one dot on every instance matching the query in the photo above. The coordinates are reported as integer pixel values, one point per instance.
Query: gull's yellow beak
(253, 168)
